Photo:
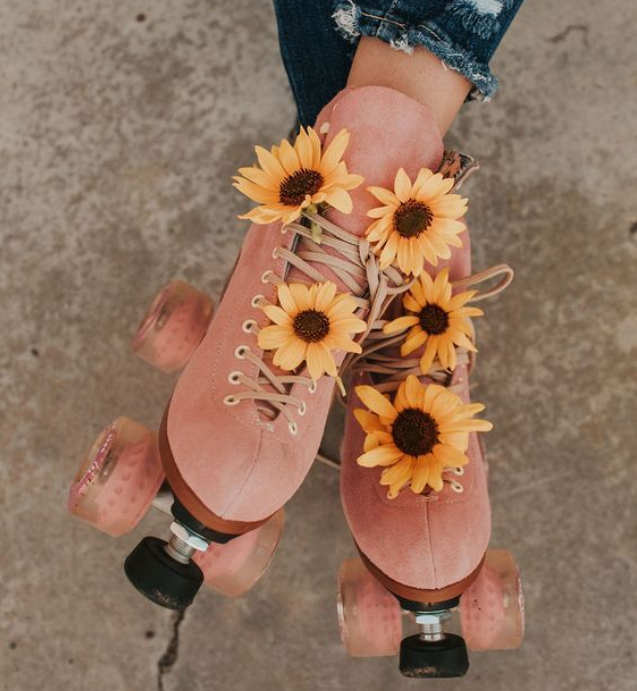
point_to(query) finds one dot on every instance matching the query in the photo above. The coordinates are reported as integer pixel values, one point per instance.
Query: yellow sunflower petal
(428, 357)
(376, 402)
(334, 152)
(371, 442)
(290, 355)
(435, 480)
(289, 158)
(410, 303)
(423, 176)
(413, 342)
(278, 315)
(270, 163)
(349, 325)
(259, 177)
(402, 185)
(340, 200)
(421, 474)
(386, 197)
(368, 421)
(272, 337)
(303, 147)
(399, 324)
(286, 298)
(342, 306)
(382, 455)
(412, 389)
(319, 361)
(398, 474)
(325, 295)
(449, 457)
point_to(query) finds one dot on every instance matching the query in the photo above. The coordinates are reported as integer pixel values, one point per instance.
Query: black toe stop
(159, 577)
(424, 659)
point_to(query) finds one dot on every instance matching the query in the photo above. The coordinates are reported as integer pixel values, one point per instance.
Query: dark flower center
(415, 432)
(412, 218)
(295, 187)
(311, 326)
(433, 319)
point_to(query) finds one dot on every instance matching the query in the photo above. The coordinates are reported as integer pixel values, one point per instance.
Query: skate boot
(247, 415)
(414, 486)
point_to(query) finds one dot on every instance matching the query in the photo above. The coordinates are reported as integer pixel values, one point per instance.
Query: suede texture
(240, 465)
(419, 542)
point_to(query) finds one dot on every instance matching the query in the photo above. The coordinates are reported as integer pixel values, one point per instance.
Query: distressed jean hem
(352, 23)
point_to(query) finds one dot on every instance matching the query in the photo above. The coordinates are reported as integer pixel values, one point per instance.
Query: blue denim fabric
(318, 39)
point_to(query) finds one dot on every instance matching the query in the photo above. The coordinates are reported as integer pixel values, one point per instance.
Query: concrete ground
(120, 125)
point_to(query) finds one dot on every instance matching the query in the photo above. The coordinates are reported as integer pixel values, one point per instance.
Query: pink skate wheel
(232, 569)
(492, 609)
(369, 616)
(118, 479)
(173, 327)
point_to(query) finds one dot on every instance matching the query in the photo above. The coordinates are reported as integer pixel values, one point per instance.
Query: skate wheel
(232, 569)
(492, 609)
(369, 616)
(173, 327)
(118, 479)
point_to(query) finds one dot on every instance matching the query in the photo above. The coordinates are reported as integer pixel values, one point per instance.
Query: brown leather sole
(188, 498)
(419, 595)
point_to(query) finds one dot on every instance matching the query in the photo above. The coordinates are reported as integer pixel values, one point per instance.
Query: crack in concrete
(169, 658)
(558, 38)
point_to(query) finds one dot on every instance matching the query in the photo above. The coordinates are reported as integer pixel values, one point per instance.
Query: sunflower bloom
(308, 324)
(417, 222)
(414, 438)
(290, 178)
(439, 321)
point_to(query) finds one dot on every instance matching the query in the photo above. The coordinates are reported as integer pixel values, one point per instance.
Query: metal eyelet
(231, 400)
(293, 427)
(255, 300)
(313, 386)
(303, 409)
(240, 352)
(458, 471)
(456, 487)
(274, 254)
(247, 325)
(233, 377)
(265, 275)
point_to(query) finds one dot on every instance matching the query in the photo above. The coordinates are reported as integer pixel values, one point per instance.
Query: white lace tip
(341, 386)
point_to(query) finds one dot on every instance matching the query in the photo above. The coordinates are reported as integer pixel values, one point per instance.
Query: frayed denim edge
(352, 23)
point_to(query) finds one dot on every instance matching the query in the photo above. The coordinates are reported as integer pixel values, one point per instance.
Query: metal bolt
(184, 543)
(430, 625)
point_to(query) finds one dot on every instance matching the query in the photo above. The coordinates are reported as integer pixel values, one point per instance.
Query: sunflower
(424, 430)
(309, 323)
(437, 319)
(416, 222)
(290, 178)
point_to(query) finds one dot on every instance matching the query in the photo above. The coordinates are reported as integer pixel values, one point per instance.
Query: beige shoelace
(356, 266)
(392, 370)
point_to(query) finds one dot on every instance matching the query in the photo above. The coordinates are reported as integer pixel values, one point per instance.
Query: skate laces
(351, 260)
(382, 360)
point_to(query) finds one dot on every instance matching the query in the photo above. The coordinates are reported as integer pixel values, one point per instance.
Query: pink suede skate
(247, 415)
(414, 486)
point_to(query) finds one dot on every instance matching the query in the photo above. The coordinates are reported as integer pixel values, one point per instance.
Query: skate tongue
(388, 131)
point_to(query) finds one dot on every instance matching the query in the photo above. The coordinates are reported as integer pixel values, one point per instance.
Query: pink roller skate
(414, 483)
(247, 415)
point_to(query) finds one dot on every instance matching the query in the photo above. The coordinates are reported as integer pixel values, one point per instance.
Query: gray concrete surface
(117, 140)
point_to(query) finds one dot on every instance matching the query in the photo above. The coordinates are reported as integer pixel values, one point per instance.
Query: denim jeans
(318, 39)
